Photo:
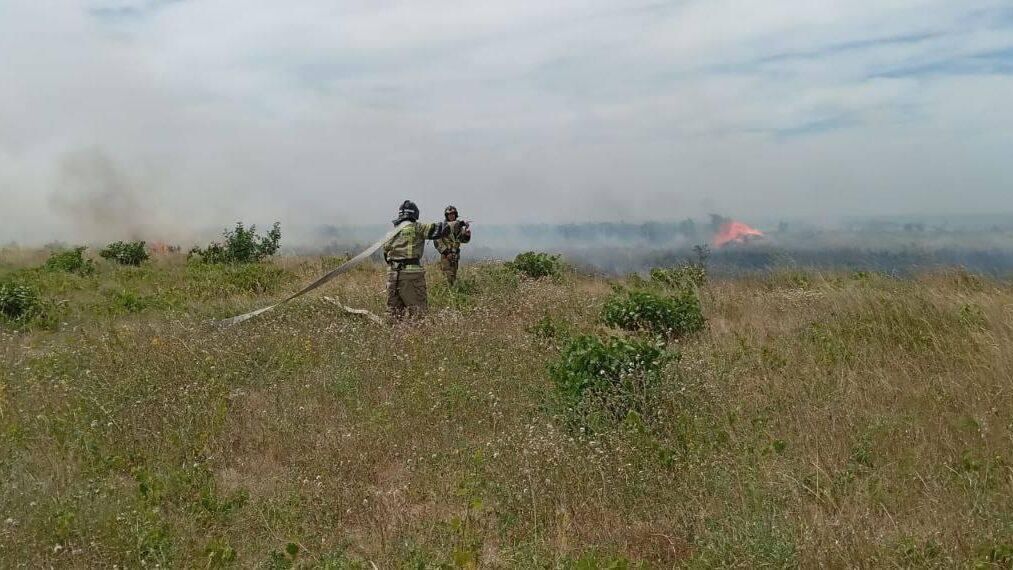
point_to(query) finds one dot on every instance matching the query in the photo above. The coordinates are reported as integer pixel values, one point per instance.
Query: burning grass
(837, 420)
(734, 232)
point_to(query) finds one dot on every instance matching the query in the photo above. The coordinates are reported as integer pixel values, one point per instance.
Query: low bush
(689, 275)
(536, 265)
(671, 315)
(19, 303)
(125, 253)
(71, 261)
(681, 277)
(602, 381)
(241, 245)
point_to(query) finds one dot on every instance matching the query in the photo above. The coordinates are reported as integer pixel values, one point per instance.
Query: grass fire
(454, 285)
(733, 232)
(729, 232)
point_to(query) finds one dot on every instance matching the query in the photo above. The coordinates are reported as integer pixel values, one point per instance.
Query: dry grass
(821, 420)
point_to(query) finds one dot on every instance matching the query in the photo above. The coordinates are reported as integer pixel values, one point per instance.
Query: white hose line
(364, 312)
(334, 273)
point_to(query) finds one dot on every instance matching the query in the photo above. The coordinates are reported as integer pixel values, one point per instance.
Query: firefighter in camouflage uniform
(406, 278)
(450, 246)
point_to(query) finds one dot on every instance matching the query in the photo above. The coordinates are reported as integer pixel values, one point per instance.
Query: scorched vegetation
(784, 419)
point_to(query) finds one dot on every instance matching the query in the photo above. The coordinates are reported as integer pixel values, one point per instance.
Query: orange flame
(735, 232)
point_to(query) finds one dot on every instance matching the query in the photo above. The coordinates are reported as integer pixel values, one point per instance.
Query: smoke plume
(100, 202)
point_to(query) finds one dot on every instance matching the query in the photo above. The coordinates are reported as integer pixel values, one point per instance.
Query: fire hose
(344, 267)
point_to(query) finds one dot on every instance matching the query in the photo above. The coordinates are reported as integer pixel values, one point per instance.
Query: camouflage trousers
(448, 265)
(406, 294)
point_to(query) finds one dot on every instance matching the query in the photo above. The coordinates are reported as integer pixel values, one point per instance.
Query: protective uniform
(450, 246)
(406, 279)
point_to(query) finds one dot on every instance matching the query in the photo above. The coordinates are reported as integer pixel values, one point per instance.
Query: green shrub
(19, 303)
(689, 275)
(242, 245)
(681, 277)
(601, 382)
(672, 315)
(536, 264)
(71, 261)
(125, 253)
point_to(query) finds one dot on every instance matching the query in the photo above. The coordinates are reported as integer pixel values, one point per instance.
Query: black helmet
(407, 211)
(450, 210)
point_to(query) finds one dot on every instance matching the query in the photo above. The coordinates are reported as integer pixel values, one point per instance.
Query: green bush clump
(19, 303)
(681, 277)
(536, 264)
(671, 315)
(71, 261)
(242, 245)
(125, 253)
(689, 275)
(603, 381)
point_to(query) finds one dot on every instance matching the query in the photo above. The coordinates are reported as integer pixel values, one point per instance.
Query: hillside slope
(838, 420)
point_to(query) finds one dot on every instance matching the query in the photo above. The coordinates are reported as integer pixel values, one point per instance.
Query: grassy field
(839, 420)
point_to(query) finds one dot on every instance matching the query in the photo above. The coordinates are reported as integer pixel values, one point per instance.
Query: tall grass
(819, 420)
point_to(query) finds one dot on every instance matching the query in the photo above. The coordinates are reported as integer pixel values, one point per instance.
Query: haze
(162, 118)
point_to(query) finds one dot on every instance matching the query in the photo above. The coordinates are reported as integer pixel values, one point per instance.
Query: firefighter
(406, 278)
(450, 246)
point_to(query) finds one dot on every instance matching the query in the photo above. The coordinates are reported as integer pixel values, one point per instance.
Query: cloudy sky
(171, 116)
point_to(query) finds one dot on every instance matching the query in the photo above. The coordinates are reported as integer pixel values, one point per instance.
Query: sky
(163, 118)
